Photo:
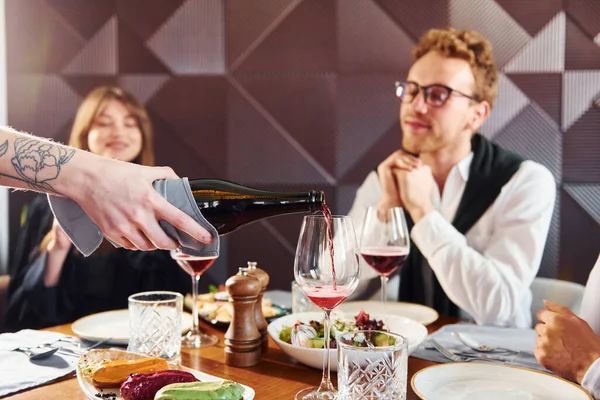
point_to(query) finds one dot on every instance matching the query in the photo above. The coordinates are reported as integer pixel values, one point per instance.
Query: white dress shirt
(488, 271)
(590, 311)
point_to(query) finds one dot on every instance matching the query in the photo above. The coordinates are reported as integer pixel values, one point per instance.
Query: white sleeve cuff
(591, 379)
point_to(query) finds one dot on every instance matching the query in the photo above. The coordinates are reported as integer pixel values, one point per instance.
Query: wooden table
(276, 377)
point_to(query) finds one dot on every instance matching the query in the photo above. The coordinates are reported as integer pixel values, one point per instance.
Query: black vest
(492, 167)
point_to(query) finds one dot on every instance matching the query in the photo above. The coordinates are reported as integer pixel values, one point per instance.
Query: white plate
(418, 312)
(113, 325)
(470, 381)
(88, 388)
(412, 330)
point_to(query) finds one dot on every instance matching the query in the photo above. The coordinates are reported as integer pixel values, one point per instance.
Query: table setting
(358, 350)
(29, 358)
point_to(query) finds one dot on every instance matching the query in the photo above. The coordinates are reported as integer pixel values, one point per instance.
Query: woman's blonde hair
(91, 107)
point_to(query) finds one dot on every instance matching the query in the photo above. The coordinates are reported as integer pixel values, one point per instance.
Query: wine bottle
(228, 205)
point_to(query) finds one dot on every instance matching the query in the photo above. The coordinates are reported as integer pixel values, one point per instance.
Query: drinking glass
(385, 242)
(376, 371)
(155, 324)
(195, 266)
(326, 268)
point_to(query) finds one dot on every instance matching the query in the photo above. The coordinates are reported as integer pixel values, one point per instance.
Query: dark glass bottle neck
(228, 205)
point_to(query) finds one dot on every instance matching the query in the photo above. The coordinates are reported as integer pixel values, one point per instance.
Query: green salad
(312, 335)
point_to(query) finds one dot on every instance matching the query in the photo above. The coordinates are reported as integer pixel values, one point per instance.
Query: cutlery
(79, 350)
(37, 353)
(465, 357)
(475, 345)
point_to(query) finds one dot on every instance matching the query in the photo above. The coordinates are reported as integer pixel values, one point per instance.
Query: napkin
(86, 236)
(18, 372)
(509, 338)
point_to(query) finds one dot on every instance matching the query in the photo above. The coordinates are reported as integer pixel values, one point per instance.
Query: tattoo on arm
(37, 163)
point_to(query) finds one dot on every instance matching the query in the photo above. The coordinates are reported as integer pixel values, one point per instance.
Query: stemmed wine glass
(385, 242)
(195, 266)
(326, 268)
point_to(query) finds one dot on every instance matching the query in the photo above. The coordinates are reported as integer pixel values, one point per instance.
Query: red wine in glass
(326, 297)
(385, 260)
(195, 266)
(329, 222)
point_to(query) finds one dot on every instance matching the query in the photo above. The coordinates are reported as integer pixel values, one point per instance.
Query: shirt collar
(464, 166)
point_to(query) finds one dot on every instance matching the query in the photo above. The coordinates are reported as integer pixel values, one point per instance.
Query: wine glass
(385, 242)
(195, 266)
(326, 268)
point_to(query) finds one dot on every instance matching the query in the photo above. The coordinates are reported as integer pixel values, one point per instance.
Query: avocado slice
(223, 390)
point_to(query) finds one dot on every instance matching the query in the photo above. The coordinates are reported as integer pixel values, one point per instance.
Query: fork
(462, 357)
(445, 352)
(80, 350)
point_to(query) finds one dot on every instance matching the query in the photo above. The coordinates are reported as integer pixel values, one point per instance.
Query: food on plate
(145, 386)
(224, 390)
(312, 335)
(114, 373)
(215, 306)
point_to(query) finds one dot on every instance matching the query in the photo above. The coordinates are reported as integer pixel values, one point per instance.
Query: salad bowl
(413, 331)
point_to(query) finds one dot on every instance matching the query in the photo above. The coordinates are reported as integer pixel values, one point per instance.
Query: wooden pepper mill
(261, 322)
(242, 339)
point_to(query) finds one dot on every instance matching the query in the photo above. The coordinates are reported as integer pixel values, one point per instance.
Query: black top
(492, 167)
(100, 282)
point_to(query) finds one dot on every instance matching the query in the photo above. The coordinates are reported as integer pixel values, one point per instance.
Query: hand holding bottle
(120, 199)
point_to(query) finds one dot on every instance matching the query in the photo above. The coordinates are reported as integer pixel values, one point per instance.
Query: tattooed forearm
(36, 162)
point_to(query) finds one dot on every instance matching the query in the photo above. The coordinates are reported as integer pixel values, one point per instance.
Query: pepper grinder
(242, 339)
(261, 322)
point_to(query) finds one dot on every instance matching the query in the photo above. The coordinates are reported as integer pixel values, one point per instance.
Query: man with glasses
(479, 215)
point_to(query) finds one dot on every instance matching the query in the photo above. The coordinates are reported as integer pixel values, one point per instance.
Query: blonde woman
(51, 282)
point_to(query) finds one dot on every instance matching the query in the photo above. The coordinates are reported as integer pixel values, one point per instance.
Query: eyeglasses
(434, 95)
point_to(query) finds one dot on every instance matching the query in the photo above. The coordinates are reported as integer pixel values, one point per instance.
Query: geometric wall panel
(586, 13)
(312, 97)
(244, 33)
(491, 20)
(192, 40)
(302, 42)
(38, 41)
(196, 108)
(545, 52)
(532, 15)
(550, 259)
(543, 89)
(581, 148)
(250, 133)
(536, 137)
(509, 103)
(416, 16)
(99, 56)
(144, 24)
(586, 195)
(84, 17)
(389, 142)
(143, 86)
(360, 53)
(47, 106)
(579, 90)
(134, 56)
(578, 240)
(581, 51)
(367, 108)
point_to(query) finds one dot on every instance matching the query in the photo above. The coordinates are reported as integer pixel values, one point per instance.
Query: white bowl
(412, 330)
